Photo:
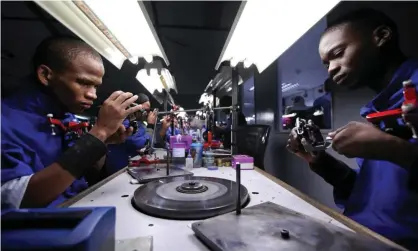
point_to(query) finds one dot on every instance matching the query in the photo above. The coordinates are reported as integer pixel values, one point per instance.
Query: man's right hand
(333, 171)
(152, 117)
(166, 123)
(295, 146)
(112, 113)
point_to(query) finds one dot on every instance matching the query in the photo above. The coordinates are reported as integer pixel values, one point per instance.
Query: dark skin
(75, 87)
(166, 123)
(354, 58)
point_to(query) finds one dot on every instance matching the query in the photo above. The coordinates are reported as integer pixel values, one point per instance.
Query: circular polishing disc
(188, 198)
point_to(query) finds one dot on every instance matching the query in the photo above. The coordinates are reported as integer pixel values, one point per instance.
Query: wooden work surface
(83, 198)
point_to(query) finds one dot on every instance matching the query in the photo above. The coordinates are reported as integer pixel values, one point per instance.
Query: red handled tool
(409, 105)
(76, 127)
(144, 161)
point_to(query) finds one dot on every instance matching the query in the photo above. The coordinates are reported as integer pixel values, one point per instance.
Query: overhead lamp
(261, 31)
(319, 112)
(118, 30)
(290, 115)
(218, 81)
(289, 86)
(251, 89)
(222, 81)
(207, 99)
(204, 98)
(209, 86)
(249, 119)
(181, 113)
(153, 81)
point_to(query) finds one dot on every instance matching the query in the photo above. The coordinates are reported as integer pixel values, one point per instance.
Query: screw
(285, 234)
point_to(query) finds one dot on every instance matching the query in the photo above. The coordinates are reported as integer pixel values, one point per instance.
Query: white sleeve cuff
(12, 191)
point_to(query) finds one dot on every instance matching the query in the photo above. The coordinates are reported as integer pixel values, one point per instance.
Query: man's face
(350, 55)
(75, 86)
(146, 106)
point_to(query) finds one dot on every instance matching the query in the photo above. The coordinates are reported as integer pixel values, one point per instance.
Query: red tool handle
(58, 123)
(379, 116)
(410, 100)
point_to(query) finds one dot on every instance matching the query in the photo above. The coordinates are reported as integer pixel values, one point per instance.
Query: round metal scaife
(191, 187)
(188, 198)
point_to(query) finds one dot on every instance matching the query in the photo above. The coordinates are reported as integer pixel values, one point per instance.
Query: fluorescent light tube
(263, 30)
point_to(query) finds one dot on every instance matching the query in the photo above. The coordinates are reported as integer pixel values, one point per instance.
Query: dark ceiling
(192, 34)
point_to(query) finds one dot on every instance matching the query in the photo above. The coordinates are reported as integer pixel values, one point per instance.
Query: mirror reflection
(304, 87)
(310, 101)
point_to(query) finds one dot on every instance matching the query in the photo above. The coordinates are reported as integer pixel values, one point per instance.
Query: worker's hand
(112, 113)
(120, 135)
(360, 140)
(295, 146)
(152, 117)
(166, 123)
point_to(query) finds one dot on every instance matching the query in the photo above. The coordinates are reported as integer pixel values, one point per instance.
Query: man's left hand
(120, 136)
(358, 139)
(152, 117)
(166, 123)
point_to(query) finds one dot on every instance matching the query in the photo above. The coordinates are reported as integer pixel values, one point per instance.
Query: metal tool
(52, 124)
(311, 137)
(410, 105)
(390, 117)
(238, 181)
(133, 118)
(204, 110)
(72, 129)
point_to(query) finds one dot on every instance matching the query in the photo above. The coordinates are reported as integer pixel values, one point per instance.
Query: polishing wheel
(188, 198)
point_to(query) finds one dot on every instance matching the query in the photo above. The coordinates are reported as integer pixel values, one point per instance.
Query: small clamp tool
(311, 137)
(144, 152)
(135, 117)
(74, 129)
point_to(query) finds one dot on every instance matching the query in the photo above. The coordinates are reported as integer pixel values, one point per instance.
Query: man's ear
(382, 35)
(44, 74)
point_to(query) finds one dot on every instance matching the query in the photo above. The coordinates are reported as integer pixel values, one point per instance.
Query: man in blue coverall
(39, 169)
(177, 130)
(119, 154)
(362, 49)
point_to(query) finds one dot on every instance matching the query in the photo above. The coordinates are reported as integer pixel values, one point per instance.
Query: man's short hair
(298, 100)
(366, 18)
(142, 98)
(58, 52)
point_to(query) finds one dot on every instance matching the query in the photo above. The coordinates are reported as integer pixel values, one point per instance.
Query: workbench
(117, 190)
